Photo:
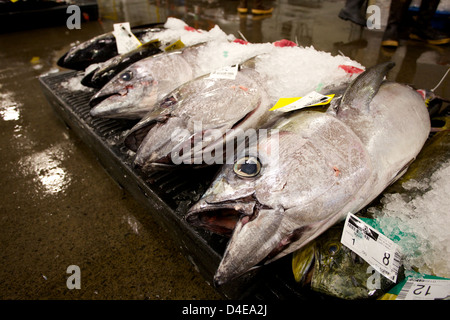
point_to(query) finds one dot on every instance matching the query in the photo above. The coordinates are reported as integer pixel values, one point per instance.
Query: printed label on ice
(425, 289)
(125, 39)
(176, 45)
(228, 72)
(311, 99)
(374, 247)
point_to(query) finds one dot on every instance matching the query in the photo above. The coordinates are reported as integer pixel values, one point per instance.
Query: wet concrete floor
(59, 207)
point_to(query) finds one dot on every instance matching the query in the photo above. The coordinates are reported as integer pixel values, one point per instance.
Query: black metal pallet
(167, 195)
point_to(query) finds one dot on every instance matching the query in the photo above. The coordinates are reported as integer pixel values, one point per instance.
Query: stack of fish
(305, 170)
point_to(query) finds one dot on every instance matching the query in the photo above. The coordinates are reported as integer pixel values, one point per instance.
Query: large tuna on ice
(276, 200)
(132, 93)
(194, 123)
(140, 87)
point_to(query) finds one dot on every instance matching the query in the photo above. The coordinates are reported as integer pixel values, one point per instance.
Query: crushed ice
(420, 225)
(74, 84)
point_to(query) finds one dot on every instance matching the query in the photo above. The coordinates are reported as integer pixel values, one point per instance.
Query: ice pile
(176, 29)
(296, 71)
(74, 84)
(217, 54)
(288, 71)
(419, 224)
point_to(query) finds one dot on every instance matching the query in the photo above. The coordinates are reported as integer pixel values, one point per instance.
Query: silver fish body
(137, 89)
(327, 164)
(192, 122)
(330, 268)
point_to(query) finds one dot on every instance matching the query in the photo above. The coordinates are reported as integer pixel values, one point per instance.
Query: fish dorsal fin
(361, 91)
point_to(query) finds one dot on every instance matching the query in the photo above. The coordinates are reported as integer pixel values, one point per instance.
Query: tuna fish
(330, 268)
(327, 164)
(191, 124)
(135, 91)
(107, 70)
(140, 87)
(98, 49)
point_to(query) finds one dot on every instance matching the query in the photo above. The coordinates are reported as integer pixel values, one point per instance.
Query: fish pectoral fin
(402, 171)
(361, 91)
(137, 134)
(242, 120)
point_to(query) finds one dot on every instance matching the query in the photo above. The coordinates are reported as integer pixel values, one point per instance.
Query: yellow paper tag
(175, 46)
(310, 100)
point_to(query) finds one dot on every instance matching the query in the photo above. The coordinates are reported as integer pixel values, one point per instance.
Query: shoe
(242, 6)
(390, 36)
(389, 43)
(242, 10)
(262, 10)
(430, 36)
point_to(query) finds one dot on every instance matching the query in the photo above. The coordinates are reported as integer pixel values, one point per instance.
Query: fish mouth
(97, 99)
(61, 60)
(220, 221)
(222, 218)
(303, 264)
(89, 80)
(102, 95)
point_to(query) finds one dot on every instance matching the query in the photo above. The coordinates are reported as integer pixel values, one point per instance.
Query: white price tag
(125, 39)
(228, 72)
(310, 100)
(374, 247)
(425, 289)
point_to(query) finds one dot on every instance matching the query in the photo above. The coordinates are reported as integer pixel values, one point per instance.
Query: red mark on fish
(350, 69)
(192, 29)
(240, 41)
(337, 172)
(284, 43)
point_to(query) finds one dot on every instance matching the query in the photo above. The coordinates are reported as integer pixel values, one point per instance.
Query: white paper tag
(125, 39)
(228, 72)
(375, 248)
(425, 289)
(311, 99)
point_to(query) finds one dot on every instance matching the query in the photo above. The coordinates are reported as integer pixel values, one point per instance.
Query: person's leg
(259, 8)
(396, 21)
(423, 30)
(242, 6)
(353, 11)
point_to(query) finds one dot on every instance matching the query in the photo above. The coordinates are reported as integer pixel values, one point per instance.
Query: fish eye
(333, 249)
(247, 167)
(126, 76)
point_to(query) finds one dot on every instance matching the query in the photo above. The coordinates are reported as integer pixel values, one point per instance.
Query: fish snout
(108, 92)
(250, 245)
